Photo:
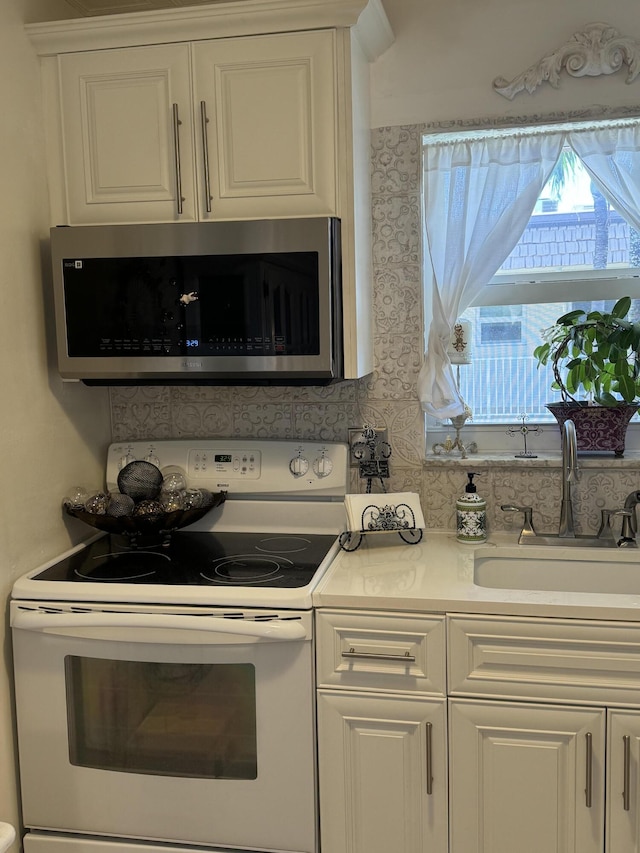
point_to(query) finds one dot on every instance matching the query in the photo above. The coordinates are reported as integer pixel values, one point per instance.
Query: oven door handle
(74, 624)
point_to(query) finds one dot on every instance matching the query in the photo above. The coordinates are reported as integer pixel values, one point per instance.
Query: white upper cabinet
(250, 134)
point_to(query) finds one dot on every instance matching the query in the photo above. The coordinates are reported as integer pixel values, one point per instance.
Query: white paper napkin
(383, 512)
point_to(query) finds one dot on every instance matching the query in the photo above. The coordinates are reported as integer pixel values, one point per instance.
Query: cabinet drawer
(545, 659)
(381, 651)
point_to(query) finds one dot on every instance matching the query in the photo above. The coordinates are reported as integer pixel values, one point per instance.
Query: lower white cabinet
(531, 744)
(383, 773)
(382, 732)
(544, 734)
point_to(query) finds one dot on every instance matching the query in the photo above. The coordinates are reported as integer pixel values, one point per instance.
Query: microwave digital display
(247, 305)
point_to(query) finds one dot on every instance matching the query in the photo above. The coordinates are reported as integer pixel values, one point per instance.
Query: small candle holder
(449, 446)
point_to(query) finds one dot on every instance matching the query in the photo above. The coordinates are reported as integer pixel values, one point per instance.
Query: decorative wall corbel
(595, 50)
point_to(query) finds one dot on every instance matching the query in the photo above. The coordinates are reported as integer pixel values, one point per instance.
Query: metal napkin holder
(390, 518)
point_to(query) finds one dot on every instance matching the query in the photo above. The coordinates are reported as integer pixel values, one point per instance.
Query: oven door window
(168, 719)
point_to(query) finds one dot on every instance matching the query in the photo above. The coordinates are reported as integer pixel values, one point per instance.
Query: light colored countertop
(437, 576)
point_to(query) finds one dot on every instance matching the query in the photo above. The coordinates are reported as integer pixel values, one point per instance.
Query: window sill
(630, 461)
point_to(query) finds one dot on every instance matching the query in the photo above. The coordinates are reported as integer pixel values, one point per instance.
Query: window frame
(517, 287)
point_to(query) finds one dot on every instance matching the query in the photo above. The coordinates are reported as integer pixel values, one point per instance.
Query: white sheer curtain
(479, 196)
(611, 155)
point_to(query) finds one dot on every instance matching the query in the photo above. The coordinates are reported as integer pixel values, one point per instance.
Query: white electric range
(165, 692)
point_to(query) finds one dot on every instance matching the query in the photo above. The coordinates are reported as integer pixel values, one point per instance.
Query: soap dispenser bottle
(471, 514)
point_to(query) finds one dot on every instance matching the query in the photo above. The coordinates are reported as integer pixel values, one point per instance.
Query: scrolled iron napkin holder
(386, 513)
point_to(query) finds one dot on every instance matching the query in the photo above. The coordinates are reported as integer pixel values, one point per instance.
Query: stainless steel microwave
(250, 302)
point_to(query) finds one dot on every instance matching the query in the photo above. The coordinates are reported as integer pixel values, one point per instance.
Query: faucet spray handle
(627, 537)
(527, 523)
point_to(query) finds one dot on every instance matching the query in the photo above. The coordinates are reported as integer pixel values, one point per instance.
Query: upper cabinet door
(266, 108)
(128, 135)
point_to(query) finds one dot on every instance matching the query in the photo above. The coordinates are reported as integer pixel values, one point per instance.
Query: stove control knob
(126, 459)
(322, 466)
(299, 466)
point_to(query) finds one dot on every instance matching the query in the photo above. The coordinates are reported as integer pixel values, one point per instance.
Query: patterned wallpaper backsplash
(385, 398)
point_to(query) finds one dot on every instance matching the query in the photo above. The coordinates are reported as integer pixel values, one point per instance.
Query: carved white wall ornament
(597, 49)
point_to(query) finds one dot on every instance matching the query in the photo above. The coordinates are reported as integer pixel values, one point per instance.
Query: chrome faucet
(566, 529)
(566, 535)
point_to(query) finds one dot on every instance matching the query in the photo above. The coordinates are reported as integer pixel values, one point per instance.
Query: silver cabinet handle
(352, 653)
(204, 121)
(176, 152)
(429, 758)
(626, 773)
(589, 769)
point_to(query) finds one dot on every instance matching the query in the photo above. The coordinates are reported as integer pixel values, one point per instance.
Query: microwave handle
(72, 624)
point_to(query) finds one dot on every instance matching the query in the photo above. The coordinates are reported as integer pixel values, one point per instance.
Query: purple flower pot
(597, 427)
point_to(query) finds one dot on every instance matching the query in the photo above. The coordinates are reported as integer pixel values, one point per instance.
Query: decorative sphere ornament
(174, 479)
(140, 480)
(77, 497)
(192, 498)
(207, 497)
(120, 505)
(148, 509)
(171, 501)
(97, 504)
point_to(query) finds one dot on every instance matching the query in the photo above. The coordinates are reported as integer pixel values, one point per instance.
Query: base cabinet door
(623, 790)
(383, 776)
(526, 777)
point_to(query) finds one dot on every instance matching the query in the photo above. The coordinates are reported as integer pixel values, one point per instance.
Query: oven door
(168, 726)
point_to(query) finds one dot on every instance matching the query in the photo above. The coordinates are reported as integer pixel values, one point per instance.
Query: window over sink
(522, 225)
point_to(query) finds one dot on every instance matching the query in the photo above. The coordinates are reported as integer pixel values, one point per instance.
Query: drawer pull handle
(429, 758)
(626, 773)
(589, 769)
(405, 658)
(176, 153)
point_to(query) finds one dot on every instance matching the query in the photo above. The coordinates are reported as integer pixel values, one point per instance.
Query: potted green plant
(595, 357)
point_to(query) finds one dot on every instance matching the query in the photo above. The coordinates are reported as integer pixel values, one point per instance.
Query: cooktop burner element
(198, 558)
(243, 569)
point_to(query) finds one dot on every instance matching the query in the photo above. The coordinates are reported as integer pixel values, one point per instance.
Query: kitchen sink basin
(569, 573)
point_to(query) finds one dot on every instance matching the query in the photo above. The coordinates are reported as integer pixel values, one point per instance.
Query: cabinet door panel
(519, 778)
(270, 104)
(119, 134)
(375, 754)
(623, 800)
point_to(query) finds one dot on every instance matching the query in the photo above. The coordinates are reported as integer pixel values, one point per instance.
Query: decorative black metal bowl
(146, 525)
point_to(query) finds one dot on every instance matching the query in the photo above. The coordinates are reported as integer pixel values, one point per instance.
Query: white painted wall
(50, 435)
(447, 54)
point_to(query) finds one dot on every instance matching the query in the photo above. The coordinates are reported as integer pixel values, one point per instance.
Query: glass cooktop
(199, 559)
